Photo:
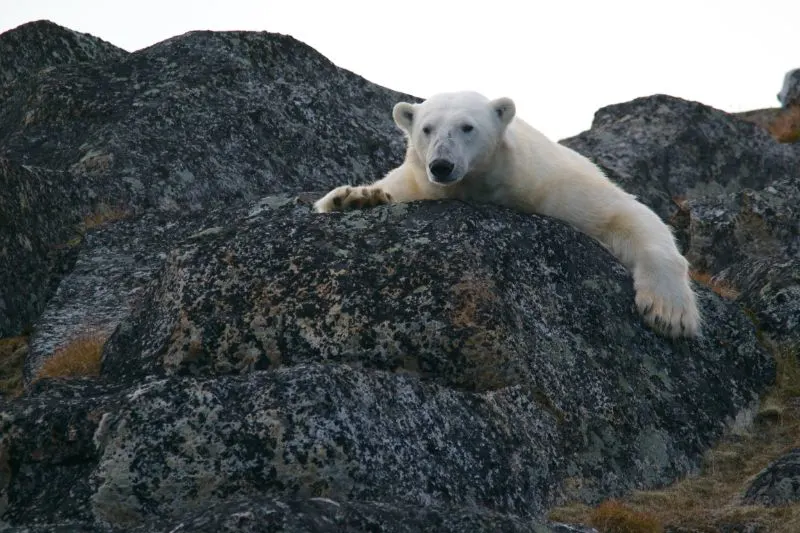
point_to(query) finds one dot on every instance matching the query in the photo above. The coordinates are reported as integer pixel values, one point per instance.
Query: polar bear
(464, 146)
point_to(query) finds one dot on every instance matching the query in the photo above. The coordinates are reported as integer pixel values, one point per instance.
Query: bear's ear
(505, 109)
(403, 114)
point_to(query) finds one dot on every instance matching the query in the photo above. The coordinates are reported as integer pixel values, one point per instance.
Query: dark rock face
(42, 44)
(203, 119)
(778, 484)
(38, 231)
(46, 446)
(751, 224)
(323, 515)
(432, 366)
(751, 240)
(790, 92)
(770, 288)
(315, 430)
(666, 150)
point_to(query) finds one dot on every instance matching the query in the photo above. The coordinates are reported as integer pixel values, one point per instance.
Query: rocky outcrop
(778, 484)
(41, 45)
(107, 279)
(367, 357)
(433, 366)
(198, 121)
(790, 92)
(750, 241)
(202, 120)
(751, 224)
(667, 150)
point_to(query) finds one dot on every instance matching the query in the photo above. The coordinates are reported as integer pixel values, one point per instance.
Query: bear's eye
(466, 128)
(426, 130)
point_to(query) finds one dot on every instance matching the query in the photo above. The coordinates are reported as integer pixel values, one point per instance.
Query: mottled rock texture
(666, 150)
(435, 366)
(115, 263)
(426, 354)
(790, 92)
(770, 290)
(41, 45)
(750, 241)
(39, 217)
(321, 515)
(201, 120)
(778, 484)
(476, 300)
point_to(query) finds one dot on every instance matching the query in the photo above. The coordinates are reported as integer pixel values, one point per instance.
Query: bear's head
(454, 135)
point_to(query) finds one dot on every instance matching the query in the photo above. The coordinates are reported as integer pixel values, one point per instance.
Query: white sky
(559, 60)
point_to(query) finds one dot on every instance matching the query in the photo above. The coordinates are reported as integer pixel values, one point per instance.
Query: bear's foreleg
(645, 244)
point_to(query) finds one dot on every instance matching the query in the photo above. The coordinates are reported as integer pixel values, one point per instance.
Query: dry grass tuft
(711, 500)
(102, 215)
(79, 357)
(787, 382)
(786, 126)
(722, 288)
(613, 516)
(13, 351)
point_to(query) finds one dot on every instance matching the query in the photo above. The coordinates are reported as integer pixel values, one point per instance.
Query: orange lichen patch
(613, 516)
(786, 126)
(79, 357)
(102, 215)
(474, 296)
(722, 288)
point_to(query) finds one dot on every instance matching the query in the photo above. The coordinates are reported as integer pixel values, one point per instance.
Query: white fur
(502, 160)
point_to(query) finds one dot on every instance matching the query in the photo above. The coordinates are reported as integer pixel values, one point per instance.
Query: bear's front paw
(345, 198)
(669, 308)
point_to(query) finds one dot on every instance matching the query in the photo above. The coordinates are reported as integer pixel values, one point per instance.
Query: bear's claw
(671, 314)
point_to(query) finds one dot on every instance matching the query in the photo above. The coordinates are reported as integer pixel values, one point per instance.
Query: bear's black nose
(441, 168)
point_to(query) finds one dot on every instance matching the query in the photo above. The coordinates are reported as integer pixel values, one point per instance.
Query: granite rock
(790, 91)
(778, 483)
(667, 150)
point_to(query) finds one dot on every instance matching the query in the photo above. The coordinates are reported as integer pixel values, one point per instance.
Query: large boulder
(436, 354)
(199, 120)
(667, 150)
(42, 44)
(778, 483)
(480, 304)
(750, 241)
